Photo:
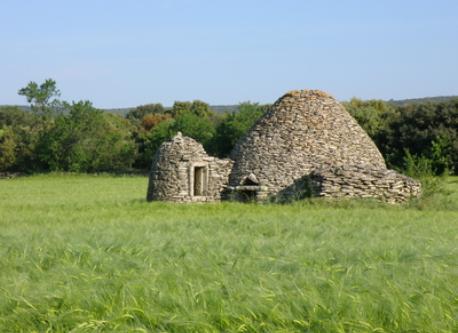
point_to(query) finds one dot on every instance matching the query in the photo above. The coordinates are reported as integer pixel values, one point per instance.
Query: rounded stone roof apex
(180, 145)
(306, 93)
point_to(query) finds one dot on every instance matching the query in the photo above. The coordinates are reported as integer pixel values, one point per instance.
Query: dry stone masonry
(382, 184)
(306, 145)
(183, 172)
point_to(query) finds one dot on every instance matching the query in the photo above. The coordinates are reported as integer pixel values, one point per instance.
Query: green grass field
(88, 254)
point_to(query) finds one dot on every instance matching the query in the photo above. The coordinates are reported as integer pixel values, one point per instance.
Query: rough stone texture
(306, 145)
(303, 131)
(173, 171)
(382, 184)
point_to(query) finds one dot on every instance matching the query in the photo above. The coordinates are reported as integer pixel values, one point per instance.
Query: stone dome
(182, 171)
(304, 130)
(306, 145)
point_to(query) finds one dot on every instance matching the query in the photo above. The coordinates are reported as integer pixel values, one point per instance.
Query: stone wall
(382, 184)
(173, 168)
(306, 145)
(303, 131)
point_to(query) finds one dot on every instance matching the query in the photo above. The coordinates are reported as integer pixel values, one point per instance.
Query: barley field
(81, 253)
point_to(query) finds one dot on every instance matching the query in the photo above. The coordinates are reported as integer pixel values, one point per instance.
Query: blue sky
(126, 53)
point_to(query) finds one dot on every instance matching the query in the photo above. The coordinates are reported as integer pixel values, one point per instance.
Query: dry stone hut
(182, 171)
(306, 145)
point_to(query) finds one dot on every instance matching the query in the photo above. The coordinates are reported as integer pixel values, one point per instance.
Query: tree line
(77, 137)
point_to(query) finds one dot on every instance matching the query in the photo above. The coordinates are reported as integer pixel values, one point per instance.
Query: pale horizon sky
(127, 53)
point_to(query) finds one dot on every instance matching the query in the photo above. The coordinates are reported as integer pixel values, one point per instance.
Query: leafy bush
(87, 140)
(422, 169)
(25, 128)
(428, 129)
(198, 108)
(190, 124)
(160, 133)
(42, 98)
(373, 115)
(138, 114)
(151, 120)
(234, 126)
(7, 148)
(195, 126)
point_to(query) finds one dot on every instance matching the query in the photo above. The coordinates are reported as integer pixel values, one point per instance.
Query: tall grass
(435, 191)
(88, 254)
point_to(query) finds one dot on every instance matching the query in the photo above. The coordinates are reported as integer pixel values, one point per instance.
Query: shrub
(7, 148)
(87, 140)
(429, 130)
(234, 126)
(138, 114)
(421, 168)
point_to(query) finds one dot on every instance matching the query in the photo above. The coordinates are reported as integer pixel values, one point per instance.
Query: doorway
(199, 181)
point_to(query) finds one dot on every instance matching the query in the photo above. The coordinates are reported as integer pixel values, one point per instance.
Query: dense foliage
(77, 137)
(426, 133)
(86, 139)
(235, 125)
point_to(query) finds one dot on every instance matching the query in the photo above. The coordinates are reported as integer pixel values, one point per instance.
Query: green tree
(426, 130)
(87, 140)
(234, 126)
(201, 109)
(145, 118)
(162, 132)
(373, 115)
(15, 116)
(195, 126)
(179, 108)
(27, 129)
(7, 148)
(198, 108)
(136, 115)
(42, 97)
(192, 119)
(115, 147)
(152, 120)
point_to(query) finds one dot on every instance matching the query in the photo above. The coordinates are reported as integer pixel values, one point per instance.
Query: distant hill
(233, 108)
(124, 111)
(120, 111)
(437, 99)
(216, 108)
(224, 108)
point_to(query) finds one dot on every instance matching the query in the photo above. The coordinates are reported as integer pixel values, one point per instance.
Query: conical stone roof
(304, 130)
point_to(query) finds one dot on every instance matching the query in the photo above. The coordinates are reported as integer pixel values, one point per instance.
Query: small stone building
(182, 171)
(306, 145)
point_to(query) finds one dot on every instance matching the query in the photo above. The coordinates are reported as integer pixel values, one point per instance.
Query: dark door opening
(248, 195)
(249, 182)
(199, 181)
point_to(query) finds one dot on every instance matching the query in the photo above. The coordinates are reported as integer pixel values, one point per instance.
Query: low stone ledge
(381, 184)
